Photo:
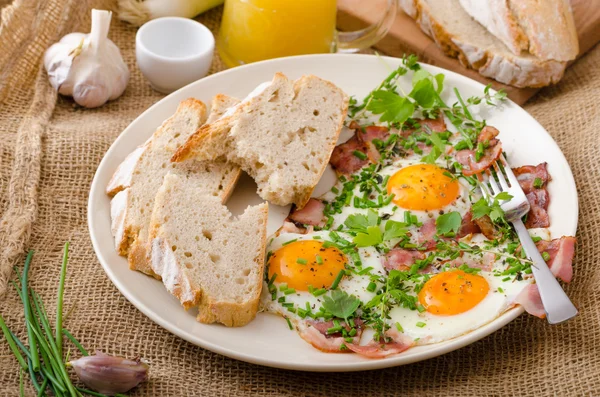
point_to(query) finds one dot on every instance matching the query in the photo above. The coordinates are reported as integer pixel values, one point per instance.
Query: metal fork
(556, 303)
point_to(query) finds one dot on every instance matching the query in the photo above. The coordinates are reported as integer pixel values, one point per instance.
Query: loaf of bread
(460, 36)
(282, 135)
(137, 180)
(542, 28)
(205, 257)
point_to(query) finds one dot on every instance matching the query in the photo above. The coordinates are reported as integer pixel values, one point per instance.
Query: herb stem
(35, 358)
(11, 344)
(75, 342)
(59, 300)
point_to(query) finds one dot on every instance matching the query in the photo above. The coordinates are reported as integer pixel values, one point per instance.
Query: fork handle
(556, 303)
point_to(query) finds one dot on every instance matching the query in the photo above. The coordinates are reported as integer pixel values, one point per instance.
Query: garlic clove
(109, 374)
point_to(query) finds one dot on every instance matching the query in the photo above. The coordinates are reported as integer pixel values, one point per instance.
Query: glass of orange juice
(254, 30)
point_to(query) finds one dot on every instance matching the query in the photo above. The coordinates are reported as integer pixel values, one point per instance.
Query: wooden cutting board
(405, 37)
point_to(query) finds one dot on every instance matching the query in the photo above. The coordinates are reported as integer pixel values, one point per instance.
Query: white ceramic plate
(267, 340)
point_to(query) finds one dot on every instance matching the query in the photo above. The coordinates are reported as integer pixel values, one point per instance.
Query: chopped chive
(283, 287)
(536, 239)
(420, 308)
(407, 218)
(546, 256)
(506, 279)
(365, 271)
(420, 324)
(338, 278)
(272, 279)
(289, 291)
(319, 292)
(289, 323)
(352, 332)
(538, 183)
(311, 289)
(399, 327)
(301, 261)
(316, 237)
(500, 290)
(335, 190)
(319, 259)
(371, 287)
(287, 304)
(290, 241)
(359, 154)
(281, 299)
(333, 330)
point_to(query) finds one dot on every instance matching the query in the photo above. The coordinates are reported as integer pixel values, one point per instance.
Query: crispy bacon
(311, 214)
(437, 125)
(315, 333)
(538, 197)
(492, 152)
(374, 349)
(343, 158)
(487, 227)
(561, 251)
(426, 234)
(531, 301)
(401, 259)
(468, 226)
(526, 176)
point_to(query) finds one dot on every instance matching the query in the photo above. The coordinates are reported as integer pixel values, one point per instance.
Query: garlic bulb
(110, 375)
(88, 67)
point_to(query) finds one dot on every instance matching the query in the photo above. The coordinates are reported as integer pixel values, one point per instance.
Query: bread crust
(212, 141)
(544, 29)
(512, 69)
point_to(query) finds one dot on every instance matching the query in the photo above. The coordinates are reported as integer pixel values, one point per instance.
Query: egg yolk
(422, 187)
(453, 292)
(306, 263)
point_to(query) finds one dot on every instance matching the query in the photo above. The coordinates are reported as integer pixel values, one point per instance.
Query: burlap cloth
(50, 149)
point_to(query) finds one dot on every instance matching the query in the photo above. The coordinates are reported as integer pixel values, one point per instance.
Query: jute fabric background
(50, 149)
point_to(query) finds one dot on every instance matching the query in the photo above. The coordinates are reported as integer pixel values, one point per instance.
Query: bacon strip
(493, 151)
(311, 214)
(487, 227)
(561, 251)
(538, 197)
(468, 226)
(526, 176)
(374, 349)
(401, 259)
(436, 125)
(539, 200)
(315, 333)
(531, 301)
(343, 158)
(427, 233)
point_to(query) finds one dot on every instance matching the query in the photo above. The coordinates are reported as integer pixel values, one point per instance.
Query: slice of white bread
(205, 257)
(282, 135)
(545, 29)
(460, 36)
(138, 178)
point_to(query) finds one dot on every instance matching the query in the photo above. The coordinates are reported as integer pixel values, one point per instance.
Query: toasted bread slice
(139, 177)
(282, 135)
(205, 257)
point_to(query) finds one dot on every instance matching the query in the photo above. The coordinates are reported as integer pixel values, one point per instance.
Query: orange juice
(253, 30)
